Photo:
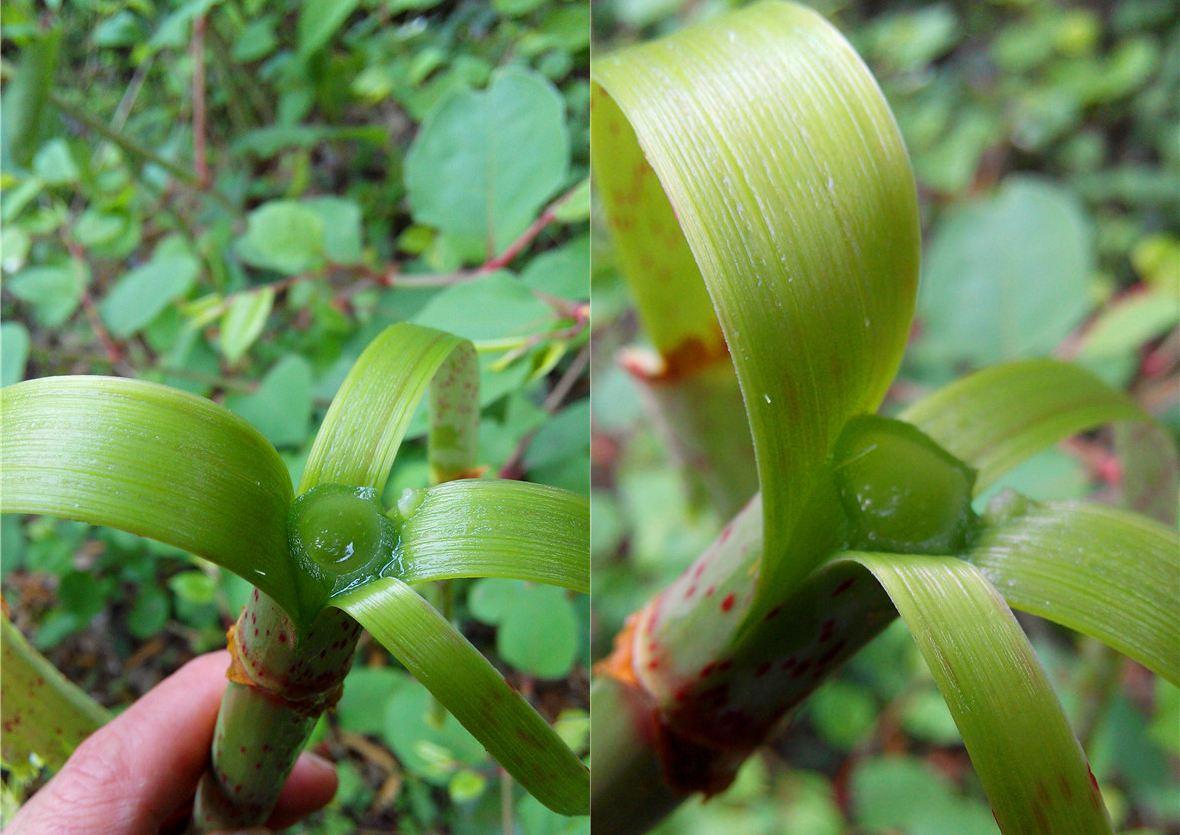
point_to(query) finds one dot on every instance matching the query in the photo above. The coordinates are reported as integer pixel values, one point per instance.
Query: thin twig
(112, 348)
(528, 235)
(200, 161)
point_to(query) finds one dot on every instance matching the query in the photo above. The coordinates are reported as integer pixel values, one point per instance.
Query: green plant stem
(281, 682)
(700, 416)
(140, 152)
(628, 790)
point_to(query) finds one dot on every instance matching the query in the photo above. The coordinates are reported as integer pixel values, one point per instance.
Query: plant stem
(280, 682)
(200, 162)
(698, 412)
(693, 689)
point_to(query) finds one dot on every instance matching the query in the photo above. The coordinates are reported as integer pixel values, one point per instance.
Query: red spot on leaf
(843, 587)
(727, 603)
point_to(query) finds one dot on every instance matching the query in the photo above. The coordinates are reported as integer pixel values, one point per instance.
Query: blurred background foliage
(1045, 137)
(233, 197)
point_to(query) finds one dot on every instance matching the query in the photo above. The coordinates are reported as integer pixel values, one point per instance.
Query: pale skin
(138, 773)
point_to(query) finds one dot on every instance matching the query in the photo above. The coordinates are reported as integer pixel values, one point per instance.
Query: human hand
(139, 773)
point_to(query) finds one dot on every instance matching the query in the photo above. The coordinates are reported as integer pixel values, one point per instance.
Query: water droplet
(766, 397)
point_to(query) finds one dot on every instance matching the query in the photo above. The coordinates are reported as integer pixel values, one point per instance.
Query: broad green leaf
(14, 352)
(429, 744)
(473, 691)
(342, 228)
(1006, 277)
(367, 420)
(537, 628)
(26, 96)
(488, 308)
(142, 294)
(319, 20)
(905, 794)
(54, 163)
(281, 407)
(474, 528)
(997, 417)
(45, 716)
(485, 162)
(153, 461)
(243, 322)
(284, 236)
(563, 272)
(770, 155)
(1032, 768)
(1105, 572)
(53, 291)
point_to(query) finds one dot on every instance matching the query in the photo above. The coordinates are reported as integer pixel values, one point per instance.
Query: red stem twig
(200, 159)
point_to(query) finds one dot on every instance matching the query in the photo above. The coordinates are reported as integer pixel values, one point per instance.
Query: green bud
(901, 491)
(340, 529)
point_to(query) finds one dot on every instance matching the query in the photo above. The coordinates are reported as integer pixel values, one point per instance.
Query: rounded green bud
(901, 491)
(340, 529)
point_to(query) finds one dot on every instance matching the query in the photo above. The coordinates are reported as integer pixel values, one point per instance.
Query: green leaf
(538, 634)
(281, 407)
(284, 236)
(1130, 322)
(473, 528)
(1105, 572)
(563, 272)
(55, 164)
(576, 206)
(149, 613)
(427, 747)
(14, 352)
(319, 20)
(142, 294)
(43, 713)
(26, 96)
(982, 302)
(484, 163)
(770, 155)
(473, 691)
(1032, 768)
(367, 690)
(342, 228)
(892, 794)
(152, 461)
(243, 322)
(368, 418)
(997, 417)
(488, 308)
(53, 292)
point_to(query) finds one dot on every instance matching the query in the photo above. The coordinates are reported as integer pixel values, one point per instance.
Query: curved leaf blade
(1107, 573)
(515, 529)
(369, 415)
(469, 687)
(1032, 768)
(767, 142)
(43, 713)
(995, 418)
(153, 461)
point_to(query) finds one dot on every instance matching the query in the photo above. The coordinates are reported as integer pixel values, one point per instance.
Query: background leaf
(982, 303)
(485, 162)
